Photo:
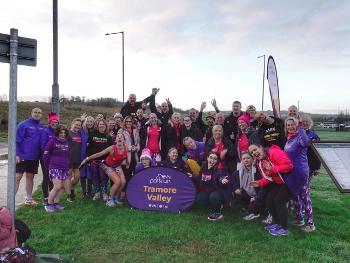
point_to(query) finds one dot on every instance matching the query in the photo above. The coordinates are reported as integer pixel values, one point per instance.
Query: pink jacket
(8, 237)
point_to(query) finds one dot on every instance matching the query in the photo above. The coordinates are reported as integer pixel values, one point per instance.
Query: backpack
(23, 231)
(20, 255)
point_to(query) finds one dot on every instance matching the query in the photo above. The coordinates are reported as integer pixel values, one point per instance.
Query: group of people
(262, 163)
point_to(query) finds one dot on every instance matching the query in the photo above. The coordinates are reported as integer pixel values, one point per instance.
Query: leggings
(99, 178)
(46, 184)
(302, 203)
(276, 201)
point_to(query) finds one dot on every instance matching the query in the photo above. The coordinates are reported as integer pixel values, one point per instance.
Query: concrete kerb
(20, 196)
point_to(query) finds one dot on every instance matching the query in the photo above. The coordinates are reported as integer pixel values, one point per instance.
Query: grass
(88, 231)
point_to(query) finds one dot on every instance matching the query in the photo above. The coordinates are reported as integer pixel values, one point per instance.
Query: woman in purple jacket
(296, 149)
(56, 158)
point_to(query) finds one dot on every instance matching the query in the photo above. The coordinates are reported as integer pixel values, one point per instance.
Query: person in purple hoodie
(56, 158)
(296, 148)
(28, 152)
(46, 135)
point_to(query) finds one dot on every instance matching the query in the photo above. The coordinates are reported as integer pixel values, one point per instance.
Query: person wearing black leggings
(46, 135)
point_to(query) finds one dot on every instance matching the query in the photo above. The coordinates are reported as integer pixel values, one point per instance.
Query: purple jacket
(198, 154)
(46, 135)
(84, 140)
(28, 137)
(56, 154)
(296, 149)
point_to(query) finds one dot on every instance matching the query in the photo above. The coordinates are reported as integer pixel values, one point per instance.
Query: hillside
(68, 113)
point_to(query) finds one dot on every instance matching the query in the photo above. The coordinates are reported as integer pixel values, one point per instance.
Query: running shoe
(117, 201)
(309, 228)
(49, 208)
(298, 222)
(251, 217)
(278, 232)
(272, 226)
(215, 216)
(30, 202)
(268, 220)
(111, 203)
(58, 206)
(97, 196)
(104, 197)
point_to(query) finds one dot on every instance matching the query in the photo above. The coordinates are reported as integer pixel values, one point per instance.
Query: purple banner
(161, 189)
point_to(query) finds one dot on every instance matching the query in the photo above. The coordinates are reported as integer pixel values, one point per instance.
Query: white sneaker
(97, 196)
(251, 217)
(110, 203)
(268, 220)
(105, 197)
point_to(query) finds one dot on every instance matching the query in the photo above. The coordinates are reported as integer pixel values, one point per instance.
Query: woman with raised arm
(111, 166)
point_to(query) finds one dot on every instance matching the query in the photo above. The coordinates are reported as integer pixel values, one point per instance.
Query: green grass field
(88, 231)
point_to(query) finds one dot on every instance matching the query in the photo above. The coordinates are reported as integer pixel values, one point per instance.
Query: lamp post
(55, 100)
(263, 91)
(115, 33)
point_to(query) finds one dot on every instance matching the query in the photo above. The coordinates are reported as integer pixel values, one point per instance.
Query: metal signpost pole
(12, 122)
(263, 91)
(123, 61)
(55, 86)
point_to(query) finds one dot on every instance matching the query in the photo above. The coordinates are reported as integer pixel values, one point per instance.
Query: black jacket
(230, 125)
(129, 110)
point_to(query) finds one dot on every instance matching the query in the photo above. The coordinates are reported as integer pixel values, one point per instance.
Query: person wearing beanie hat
(53, 117)
(47, 134)
(145, 160)
(245, 118)
(244, 132)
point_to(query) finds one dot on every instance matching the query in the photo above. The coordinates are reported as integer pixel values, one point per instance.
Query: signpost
(335, 158)
(15, 51)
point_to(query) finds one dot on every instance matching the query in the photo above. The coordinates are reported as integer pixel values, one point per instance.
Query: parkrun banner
(161, 189)
(273, 84)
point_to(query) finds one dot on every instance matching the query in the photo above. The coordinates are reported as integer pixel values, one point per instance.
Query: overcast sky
(193, 50)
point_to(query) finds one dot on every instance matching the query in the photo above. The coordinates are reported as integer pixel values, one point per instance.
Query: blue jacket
(28, 139)
(296, 149)
(84, 140)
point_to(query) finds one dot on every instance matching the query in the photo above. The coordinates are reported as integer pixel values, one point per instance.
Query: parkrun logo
(161, 179)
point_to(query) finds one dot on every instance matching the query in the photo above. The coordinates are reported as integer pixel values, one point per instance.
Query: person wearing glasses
(28, 152)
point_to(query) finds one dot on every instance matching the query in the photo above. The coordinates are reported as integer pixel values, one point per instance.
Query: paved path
(3, 181)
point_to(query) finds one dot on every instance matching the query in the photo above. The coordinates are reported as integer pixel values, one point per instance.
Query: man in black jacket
(131, 106)
(230, 123)
(166, 109)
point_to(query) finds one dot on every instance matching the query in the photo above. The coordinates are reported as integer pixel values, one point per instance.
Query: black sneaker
(215, 216)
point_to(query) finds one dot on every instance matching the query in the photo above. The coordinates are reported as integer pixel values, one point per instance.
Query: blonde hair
(85, 121)
(295, 120)
(308, 117)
